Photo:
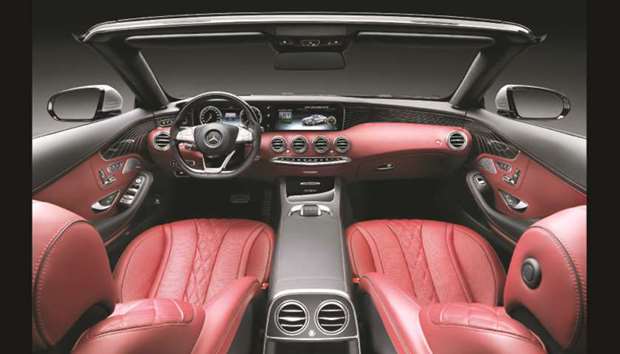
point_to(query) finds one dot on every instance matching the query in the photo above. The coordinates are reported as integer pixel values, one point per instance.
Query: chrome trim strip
(310, 291)
(341, 160)
(201, 20)
(194, 35)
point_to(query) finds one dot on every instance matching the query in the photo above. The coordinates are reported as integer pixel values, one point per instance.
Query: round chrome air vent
(299, 144)
(342, 144)
(291, 317)
(332, 317)
(278, 144)
(321, 144)
(457, 140)
(161, 141)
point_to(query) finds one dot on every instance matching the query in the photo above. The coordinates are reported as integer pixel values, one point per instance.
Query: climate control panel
(310, 151)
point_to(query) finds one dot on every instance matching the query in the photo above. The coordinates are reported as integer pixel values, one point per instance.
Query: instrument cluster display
(228, 115)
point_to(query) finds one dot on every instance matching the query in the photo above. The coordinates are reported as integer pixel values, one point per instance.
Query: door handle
(104, 203)
(513, 202)
(513, 227)
(386, 167)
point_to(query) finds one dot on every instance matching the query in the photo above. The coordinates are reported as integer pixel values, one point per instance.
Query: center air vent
(321, 144)
(162, 141)
(342, 144)
(332, 317)
(300, 145)
(457, 140)
(291, 317)
(278, 144)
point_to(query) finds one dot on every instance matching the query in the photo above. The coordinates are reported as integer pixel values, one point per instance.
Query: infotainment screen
(305, 117)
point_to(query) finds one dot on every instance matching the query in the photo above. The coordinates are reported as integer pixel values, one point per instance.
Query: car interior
(275, 222)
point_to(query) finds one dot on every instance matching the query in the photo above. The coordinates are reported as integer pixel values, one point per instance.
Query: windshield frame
(109, 39)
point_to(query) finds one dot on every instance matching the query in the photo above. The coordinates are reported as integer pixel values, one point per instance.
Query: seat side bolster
(261, 250)
(360, 253)
(223, 315)
(399, 313)
(138, 268)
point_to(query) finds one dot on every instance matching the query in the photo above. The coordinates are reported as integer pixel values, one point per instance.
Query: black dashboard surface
(318, 115)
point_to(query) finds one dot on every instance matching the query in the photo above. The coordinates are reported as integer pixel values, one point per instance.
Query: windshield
(372, 69)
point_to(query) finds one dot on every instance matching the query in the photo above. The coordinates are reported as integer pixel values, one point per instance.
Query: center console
(310, 297)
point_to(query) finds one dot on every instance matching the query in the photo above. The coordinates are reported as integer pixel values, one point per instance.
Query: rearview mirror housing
(85, 103)
(531, 102)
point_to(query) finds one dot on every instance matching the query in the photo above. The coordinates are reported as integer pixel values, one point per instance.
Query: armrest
(158, 326)
(145, 326)
(463, 328)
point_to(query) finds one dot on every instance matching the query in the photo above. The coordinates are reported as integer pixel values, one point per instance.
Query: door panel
(82, 187)
(544, 192)
(78, 167)
(562, 154)
(551, 174)
(54, 155)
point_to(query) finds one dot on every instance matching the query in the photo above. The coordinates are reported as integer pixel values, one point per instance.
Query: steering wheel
(215, 140)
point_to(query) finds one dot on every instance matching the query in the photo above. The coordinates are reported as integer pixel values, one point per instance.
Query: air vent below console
(291, 317)
(162, 141)
(332, 317)
(457, 140)
(300, 145)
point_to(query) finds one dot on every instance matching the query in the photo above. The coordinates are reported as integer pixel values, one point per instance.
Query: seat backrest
(548, 277)
(70, 273)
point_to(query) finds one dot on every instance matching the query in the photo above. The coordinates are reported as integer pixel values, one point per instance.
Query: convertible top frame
(112, 41)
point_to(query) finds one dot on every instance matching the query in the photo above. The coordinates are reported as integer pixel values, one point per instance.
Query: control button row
(514, 179)
(131, 192)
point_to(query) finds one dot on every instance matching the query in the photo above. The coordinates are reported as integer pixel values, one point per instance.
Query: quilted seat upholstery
(193, 260)
(432, 261)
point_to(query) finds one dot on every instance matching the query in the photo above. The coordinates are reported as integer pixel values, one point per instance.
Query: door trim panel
(54, 155)
(563, 154)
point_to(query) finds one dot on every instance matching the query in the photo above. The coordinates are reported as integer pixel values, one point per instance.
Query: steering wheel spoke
(186, 135)
(222, 168)
(244, 136)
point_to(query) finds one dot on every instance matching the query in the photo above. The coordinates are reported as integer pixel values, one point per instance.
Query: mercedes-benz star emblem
(214, 139)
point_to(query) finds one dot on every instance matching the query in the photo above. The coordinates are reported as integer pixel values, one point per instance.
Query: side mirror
(531, 102)
(85, 103)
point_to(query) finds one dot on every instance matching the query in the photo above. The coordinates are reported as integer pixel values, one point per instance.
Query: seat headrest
(70, 272)
(548, 276)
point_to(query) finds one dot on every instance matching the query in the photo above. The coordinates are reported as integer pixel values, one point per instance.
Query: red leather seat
(182, 287)
(193, 260)
(432, 261)
(545, 294)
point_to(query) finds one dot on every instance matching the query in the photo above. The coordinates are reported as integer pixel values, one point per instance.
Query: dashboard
(322, 138)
